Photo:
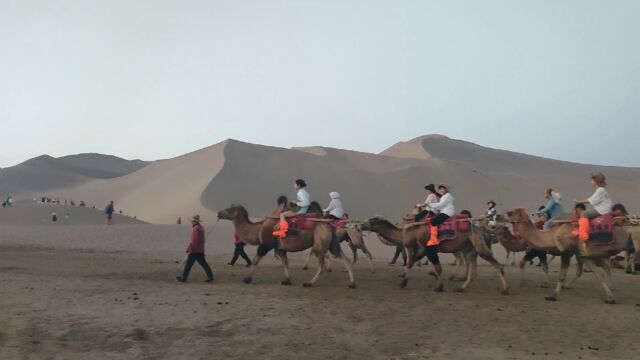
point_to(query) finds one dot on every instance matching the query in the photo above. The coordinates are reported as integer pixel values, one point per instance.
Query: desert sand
(83, 290)
(98, 292)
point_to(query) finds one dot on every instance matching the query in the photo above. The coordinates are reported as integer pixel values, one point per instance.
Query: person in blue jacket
(553, 209)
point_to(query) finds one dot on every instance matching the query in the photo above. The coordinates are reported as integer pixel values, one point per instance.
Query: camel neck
(392, 234)
(534, 237)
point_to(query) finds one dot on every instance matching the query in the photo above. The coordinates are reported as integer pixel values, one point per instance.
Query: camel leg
(521, 266)
(354, 250)
(369, 258)
(285, 267)
(545, 269)
(263, 250)
(321, 268)
(410, 262)
(471, 258)
(632, 254)
(579, 272)
(499, 268)
(606, 267)
(596, 272)
(327, 264)
(562, 277)
(345, 261)
(485, 253)
(307, 261)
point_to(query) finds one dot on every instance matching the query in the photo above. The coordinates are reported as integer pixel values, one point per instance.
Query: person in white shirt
(304, 201)
(335, 209)
(446, 210)
(601, 203)
(432, 198)
(491, 212)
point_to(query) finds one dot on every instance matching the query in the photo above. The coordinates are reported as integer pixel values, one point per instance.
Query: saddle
(601, 230)
(340, 223)
(300, 223)
(450, 228)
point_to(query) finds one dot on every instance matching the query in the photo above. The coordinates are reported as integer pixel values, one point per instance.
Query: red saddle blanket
(600, 229)
(449, 229)
(300, 223)
(340, 223)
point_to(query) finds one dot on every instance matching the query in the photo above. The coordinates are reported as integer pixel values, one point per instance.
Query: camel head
(234, 212)
(517, 216)
(375, 223)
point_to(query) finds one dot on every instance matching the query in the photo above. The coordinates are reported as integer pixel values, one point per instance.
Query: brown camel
(559, 240)
(321, 239)
(413, 237)
(515, 244)
(354, 237)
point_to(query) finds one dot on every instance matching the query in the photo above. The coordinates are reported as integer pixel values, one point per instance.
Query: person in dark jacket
(239, 251)
(109, 210)
(195, 251)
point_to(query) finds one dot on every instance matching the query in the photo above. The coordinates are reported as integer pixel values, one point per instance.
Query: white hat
(334, 195)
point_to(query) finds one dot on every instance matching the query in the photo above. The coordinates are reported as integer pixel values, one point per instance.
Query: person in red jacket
(239, 251)
(195, 249)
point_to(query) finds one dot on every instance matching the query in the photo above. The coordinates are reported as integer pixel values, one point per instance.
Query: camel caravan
(591, 236)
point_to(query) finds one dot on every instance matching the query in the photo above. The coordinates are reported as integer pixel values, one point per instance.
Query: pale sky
(154, 79)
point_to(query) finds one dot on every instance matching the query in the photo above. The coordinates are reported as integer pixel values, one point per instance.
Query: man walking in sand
(195, 251)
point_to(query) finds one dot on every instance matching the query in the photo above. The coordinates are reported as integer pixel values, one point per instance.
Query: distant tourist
(109, 211)
(239, 251)
(67, 218)
(179, 221)
(54, 217)
(195, 251)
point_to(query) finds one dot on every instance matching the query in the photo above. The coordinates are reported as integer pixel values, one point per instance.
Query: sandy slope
(96, 292)
(161, 191)
(40, 214)
(388, 184)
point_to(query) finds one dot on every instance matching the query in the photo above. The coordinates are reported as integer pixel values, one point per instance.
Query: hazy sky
(155, 79)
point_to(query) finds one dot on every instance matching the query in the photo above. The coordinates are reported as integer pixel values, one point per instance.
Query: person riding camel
(335, 210)
(553, 209)
(491, 212)
(304, 201)
(446, 209)
(601, 203)
(432, 198)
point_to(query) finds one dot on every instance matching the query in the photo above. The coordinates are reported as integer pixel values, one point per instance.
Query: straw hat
(196, 218)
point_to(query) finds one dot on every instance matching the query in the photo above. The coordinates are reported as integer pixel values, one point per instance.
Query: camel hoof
(305, 268)
(352, 286)
(286, 282)
(459, 290)
(247, 280)
(307, 285)
(439, 289)
(551, 298)
(404, 282)
(505, 292)
(610, 302)
(329, 270)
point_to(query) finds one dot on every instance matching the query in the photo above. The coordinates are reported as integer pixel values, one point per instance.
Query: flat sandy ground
(97, 292)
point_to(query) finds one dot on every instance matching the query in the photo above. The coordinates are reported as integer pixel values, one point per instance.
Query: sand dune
(388, 183)
(161, 191)
(44, 173)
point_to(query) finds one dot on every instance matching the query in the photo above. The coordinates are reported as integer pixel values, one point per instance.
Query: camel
(413, 237)
(633, 244)
(515, 244)
(356, 241)
(559, 240)
(321, 239)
